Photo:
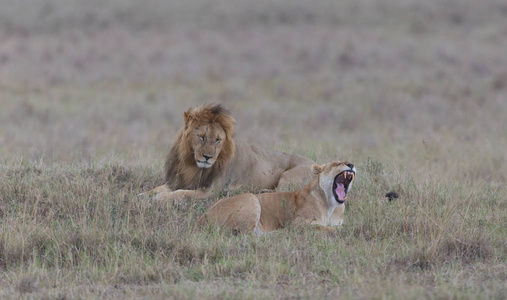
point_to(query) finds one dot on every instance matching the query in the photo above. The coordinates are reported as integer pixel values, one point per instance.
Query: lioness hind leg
(239, 214)
(295, 178)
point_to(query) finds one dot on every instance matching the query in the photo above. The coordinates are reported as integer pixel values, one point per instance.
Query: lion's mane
(181, 171)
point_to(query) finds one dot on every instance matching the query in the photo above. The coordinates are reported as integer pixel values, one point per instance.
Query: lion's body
(315, 205)
(206, 158)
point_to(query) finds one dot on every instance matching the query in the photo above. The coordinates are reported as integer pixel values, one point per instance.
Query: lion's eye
(202, 138)
(218, 140)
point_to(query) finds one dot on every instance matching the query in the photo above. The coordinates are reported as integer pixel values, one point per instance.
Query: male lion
(320, 203)
(205, 158)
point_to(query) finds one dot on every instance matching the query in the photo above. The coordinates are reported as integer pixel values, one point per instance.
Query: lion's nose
(207, 157)
(350, 166)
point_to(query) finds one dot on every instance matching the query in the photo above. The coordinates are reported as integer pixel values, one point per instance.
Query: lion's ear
(187, 116)
(317, 169)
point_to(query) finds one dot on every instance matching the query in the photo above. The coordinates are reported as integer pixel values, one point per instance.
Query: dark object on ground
(392, 195)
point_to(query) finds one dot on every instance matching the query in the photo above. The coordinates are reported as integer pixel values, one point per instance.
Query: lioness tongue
(340, 191)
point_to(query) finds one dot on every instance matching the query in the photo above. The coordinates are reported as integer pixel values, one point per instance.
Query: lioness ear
(317, 169)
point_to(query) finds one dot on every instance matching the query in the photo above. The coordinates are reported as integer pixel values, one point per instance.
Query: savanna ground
(413, 92)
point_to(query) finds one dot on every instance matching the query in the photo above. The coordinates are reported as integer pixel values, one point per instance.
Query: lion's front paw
(175, 197)
(154, 193)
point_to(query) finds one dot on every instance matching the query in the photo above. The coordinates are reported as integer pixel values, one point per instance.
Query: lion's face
(206, 143)
(336, 179)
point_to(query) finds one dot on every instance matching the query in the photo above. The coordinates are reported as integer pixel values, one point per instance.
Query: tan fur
(315, 204)
(205, 159)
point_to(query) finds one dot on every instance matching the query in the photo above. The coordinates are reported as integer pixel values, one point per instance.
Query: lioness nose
(350, 166)
(207, 157)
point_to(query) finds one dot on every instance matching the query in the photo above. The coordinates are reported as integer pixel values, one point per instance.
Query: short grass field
(414, 93)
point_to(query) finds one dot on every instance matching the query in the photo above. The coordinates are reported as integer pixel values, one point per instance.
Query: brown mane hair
(181, 171)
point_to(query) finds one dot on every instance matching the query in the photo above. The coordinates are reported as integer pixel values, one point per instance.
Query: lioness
(206, 158)
(320, 203)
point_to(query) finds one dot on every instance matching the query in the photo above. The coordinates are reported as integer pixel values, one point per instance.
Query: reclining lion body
(205, 158)
(316, 204)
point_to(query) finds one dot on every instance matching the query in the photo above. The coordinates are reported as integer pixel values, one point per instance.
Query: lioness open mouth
(341, 185)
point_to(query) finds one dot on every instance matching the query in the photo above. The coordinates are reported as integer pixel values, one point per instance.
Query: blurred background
(401, 81)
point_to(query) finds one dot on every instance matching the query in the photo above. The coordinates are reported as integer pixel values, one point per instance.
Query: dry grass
(91, 95)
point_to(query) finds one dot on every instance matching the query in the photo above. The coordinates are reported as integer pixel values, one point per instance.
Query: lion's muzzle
(205, 162)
